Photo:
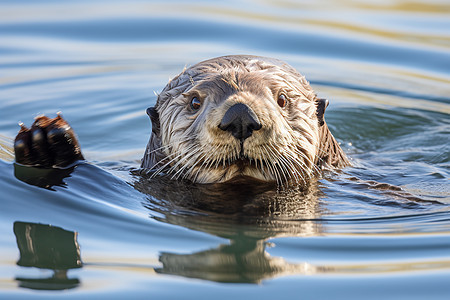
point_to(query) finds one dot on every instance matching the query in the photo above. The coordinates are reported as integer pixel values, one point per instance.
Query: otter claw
(23, 127)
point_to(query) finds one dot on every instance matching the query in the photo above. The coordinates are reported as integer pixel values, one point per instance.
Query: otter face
(236, 116)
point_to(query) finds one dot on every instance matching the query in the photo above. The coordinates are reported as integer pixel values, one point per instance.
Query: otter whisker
(181, 171)
(206, 163)
(201, 164)
(190, 153)
(159, 170)
(184, 161)
(193, 160)
(157, 149)
(164, 147)
(269, 172)
(272, 167)
(313, 165)
(265, 172)
(177, 154)
(201, 160)
(287, 164)
(281, 165)
(298, 166)
(162, 162)
(256, 163)
(288, 167)
(267, 161)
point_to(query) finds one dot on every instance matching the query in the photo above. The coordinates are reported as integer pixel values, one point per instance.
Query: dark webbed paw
(48, 143)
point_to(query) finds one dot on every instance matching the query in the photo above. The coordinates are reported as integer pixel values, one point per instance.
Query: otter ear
(154, 117)
(321, 106)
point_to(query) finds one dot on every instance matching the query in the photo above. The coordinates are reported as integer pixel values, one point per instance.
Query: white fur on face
(283, 150)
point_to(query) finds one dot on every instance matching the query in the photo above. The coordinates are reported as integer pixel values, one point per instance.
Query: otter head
(236, 116)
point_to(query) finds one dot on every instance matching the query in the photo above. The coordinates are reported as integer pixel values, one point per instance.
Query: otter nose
(240, 120)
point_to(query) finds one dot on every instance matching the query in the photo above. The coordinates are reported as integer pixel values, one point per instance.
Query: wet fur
(292, 145)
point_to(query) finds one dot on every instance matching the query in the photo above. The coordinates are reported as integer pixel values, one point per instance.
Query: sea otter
(223, 118)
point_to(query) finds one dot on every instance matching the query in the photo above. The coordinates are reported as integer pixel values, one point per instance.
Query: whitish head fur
(188, 143)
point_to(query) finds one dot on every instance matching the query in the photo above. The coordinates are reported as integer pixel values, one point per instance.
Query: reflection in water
(243, 261)
(244, 211)
(244, 204)
(248, 212)
(42, 177)
(47, 247)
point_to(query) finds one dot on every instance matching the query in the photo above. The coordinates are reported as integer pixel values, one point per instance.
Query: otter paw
(48, 143)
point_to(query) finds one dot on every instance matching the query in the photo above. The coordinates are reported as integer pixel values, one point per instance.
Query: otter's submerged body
(223, 118)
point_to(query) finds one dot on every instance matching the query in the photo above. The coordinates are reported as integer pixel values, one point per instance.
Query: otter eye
(195, 103)
(282, 100)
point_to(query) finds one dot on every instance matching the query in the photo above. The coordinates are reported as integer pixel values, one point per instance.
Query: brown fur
(291, 144)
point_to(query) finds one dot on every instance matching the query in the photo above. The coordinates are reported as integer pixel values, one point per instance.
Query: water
(384, 66)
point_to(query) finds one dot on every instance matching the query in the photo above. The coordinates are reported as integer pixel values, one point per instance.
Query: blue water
(384, 66)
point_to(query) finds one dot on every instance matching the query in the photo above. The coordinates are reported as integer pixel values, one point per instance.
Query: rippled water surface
(377, 230)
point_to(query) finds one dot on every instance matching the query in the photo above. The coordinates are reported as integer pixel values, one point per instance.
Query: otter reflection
(245, 260)
(245, 211)
(47, 247)
(42, 177)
